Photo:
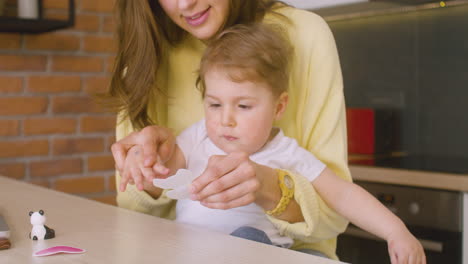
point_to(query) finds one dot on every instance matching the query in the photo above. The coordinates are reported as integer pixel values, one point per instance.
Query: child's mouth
(229, 138)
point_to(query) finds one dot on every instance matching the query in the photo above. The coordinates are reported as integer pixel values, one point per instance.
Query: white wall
(310, 4)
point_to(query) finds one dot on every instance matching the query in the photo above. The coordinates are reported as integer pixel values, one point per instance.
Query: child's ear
(281, 105)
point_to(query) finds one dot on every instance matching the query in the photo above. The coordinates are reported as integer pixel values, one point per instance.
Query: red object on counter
(361, 132)
(373, 131)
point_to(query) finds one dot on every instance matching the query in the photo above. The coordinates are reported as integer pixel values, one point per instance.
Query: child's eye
(243, 106)
(215, 105)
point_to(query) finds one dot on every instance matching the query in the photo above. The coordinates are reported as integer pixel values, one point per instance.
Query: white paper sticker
(178, 183)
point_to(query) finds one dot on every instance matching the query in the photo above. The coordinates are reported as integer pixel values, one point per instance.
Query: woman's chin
(203, 33)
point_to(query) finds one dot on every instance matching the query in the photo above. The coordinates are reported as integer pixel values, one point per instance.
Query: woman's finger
(241, 201)
(242, 173)
(156, 141)
(404, 259)
(393, 258)
(148, 174)
(120, 148)
(137, 177)
(167, 146)
(119, 152)
(160, 169)
(125, 179)
(217, 166)
(234, 192)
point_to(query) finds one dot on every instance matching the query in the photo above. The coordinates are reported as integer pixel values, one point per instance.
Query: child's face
(239, 115)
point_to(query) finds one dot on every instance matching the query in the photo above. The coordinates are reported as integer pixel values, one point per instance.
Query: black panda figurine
(39, 230)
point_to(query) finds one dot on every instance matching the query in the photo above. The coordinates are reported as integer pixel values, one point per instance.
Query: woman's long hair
(143, 29)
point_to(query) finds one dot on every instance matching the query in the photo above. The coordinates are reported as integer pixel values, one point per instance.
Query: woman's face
(201, 18)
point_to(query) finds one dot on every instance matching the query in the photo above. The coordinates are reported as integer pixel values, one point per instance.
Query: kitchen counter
(115, 235)
(424, 179)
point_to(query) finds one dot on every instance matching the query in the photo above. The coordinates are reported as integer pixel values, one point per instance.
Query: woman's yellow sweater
(315, 117)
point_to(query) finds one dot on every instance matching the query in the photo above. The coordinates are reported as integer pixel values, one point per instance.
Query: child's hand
(136, 173)
(404, 248)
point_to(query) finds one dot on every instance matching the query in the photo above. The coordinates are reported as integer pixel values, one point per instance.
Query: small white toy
(39, 230)
(179, 183)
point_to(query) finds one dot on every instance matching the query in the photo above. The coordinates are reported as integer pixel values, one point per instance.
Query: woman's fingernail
(193, 197)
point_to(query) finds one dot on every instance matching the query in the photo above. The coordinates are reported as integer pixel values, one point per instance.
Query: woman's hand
(135, 173)
(234, 180)
(404, 248)
(156, 146)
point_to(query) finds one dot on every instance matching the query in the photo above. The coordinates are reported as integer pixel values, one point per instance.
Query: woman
(160, 45)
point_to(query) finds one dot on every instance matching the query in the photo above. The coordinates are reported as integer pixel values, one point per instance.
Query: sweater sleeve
(316, 119)
(140, 201)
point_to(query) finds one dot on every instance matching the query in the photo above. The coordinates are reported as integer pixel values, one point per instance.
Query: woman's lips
(199, 18)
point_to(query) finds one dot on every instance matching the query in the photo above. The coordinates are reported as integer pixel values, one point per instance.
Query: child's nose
(228, 118)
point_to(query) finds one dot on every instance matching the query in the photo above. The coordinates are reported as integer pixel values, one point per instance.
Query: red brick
(97, 84)
(109, 141)
(40, 126)
(88, 23)
(11, 84)
(12, 170)
(99, 44)
(77, 64)
(110, 64)
(98, 6)
(22, 105)
(65, 146)
(107, 199)
(111, 182)
(54, 84)
(100, 163)
(10, 41)
(9, 128)
(81, 185)
(55, 167)
(109, 24)
(10, 8)
(22, 62)
(56, 14)
(23, 148)
(90, 124)
(52, 41)
(75, 104)
(59, 4)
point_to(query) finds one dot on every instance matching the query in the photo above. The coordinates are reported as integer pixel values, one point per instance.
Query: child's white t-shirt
(281, 152)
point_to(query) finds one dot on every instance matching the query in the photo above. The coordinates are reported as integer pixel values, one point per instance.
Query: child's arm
(365, 211)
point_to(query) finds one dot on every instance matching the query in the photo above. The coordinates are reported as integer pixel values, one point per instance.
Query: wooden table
(114, 235)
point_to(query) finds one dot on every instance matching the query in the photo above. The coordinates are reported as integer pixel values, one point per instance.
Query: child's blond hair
(256, 52)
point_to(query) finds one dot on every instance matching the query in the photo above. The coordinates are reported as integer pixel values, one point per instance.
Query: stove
(434, 217)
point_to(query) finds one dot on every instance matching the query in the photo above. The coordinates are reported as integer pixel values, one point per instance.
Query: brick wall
(51, 131)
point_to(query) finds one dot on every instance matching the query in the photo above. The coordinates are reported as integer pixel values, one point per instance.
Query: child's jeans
(258, 235)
